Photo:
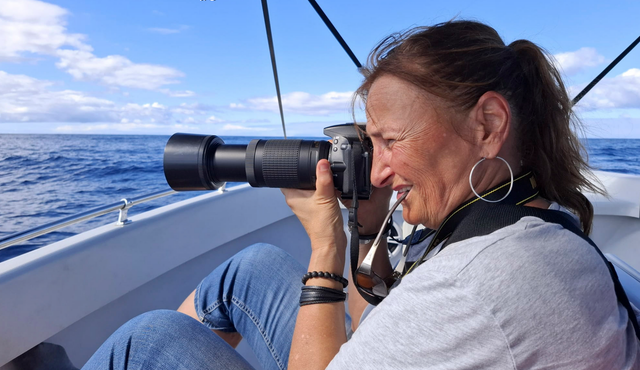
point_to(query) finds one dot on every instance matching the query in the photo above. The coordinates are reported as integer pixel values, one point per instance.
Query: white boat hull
(76, 292)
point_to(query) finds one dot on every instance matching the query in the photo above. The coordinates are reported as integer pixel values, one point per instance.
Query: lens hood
(185, 161)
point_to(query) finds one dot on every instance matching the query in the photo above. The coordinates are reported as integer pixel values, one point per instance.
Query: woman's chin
(414, 219)
(408, 217)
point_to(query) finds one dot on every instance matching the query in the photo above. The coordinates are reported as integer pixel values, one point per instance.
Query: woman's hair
(459, 61)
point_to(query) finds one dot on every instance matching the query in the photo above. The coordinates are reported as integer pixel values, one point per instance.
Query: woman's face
(416, 149)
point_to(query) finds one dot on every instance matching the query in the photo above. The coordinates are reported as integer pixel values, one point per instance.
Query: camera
(205, 162)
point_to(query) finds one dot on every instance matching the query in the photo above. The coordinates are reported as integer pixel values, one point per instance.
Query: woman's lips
(403, 190)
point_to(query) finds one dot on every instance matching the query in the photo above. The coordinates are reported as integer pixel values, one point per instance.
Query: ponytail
(547, 133)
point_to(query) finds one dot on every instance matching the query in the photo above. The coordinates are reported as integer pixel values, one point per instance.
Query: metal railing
(122, 206)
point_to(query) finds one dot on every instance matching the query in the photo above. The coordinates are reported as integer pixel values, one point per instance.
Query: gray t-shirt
(530, 295)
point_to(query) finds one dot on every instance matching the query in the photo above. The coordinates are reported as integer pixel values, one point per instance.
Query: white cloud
(622, 91)
(178, 94)
(613, 128)
(122, 127)
(574, 62)
(167, 31)
(192, 108)
(302, 103)
(31, 26)
(35, 27)
(164, 31)
(230, 127)
(106, 126)
(179, 126)
(214, 119)
(115, 70)
(26, 99)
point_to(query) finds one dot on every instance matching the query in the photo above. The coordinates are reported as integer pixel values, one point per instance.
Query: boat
(76, 292)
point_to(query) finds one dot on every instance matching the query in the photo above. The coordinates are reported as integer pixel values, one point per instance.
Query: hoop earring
(474, 190)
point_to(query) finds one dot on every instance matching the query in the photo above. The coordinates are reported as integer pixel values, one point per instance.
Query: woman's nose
(381, 173)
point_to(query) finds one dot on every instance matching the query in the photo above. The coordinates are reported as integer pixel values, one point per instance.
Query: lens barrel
(200, 162)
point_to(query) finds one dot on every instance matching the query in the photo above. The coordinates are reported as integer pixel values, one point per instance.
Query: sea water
(44, 178)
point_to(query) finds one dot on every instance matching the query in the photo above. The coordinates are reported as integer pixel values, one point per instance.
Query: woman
(442, 103)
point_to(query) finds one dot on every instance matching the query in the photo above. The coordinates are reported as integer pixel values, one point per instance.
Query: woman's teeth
(406, 189)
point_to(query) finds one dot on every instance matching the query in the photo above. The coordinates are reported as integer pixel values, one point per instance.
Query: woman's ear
(491, 121)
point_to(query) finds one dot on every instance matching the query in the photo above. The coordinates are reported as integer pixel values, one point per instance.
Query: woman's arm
(320, 328)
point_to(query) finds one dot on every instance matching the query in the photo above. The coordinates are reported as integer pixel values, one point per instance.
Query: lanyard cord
(524, 190)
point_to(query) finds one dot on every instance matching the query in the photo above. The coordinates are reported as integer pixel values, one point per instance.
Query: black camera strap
(491, 217)
(353, 224)
(524, 190)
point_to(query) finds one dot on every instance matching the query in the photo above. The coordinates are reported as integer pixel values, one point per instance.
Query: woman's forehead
(392, 101)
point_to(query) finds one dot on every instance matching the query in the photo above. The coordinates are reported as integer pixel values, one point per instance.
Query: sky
(160, 67)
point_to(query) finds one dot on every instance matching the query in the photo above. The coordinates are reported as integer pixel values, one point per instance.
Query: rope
(267, 24)
(335, 33)
(605, 71)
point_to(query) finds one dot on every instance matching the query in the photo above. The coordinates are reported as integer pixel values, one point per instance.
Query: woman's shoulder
(531, 251)
(531, 287)
(529, 243)
(530, 237)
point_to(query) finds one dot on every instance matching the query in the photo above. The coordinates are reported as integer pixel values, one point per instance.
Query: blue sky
(159, 67)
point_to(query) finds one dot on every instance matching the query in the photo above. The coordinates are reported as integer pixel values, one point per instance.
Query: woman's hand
(319, 211)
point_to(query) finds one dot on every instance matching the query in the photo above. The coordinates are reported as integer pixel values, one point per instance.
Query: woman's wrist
(329, 241)
(330, 259)
(371, 222)
(326, 261)
(370, 228)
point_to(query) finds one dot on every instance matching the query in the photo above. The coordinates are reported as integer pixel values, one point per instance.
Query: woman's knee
(156, 323)
(134, 340)
(255, 261)
(262, 253)
(161, 338)
(245, 279)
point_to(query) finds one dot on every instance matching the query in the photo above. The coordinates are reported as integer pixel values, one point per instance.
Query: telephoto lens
(201, 162)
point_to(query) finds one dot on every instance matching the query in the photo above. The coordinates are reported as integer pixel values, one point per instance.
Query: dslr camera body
(201, 162)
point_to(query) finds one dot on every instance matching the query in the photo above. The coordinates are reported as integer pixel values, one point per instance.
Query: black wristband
(366, 239)
(319, 294)
(325, 275)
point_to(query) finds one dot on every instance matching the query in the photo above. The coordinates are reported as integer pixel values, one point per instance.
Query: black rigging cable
(267, 24)
(605, 71)
(335, 33)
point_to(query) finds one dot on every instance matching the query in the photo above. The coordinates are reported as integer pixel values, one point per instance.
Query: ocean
(44, 178)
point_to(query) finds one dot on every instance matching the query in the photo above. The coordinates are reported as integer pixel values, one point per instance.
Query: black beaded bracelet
(326, 275)
(319, 294)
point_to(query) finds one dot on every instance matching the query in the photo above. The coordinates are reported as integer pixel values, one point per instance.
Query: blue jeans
(254, 293)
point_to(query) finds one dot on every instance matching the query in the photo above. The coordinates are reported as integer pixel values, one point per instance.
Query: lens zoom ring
(280, 163)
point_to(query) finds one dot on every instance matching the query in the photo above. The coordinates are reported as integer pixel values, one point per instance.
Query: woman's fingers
(318, 211)
(324, 181)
